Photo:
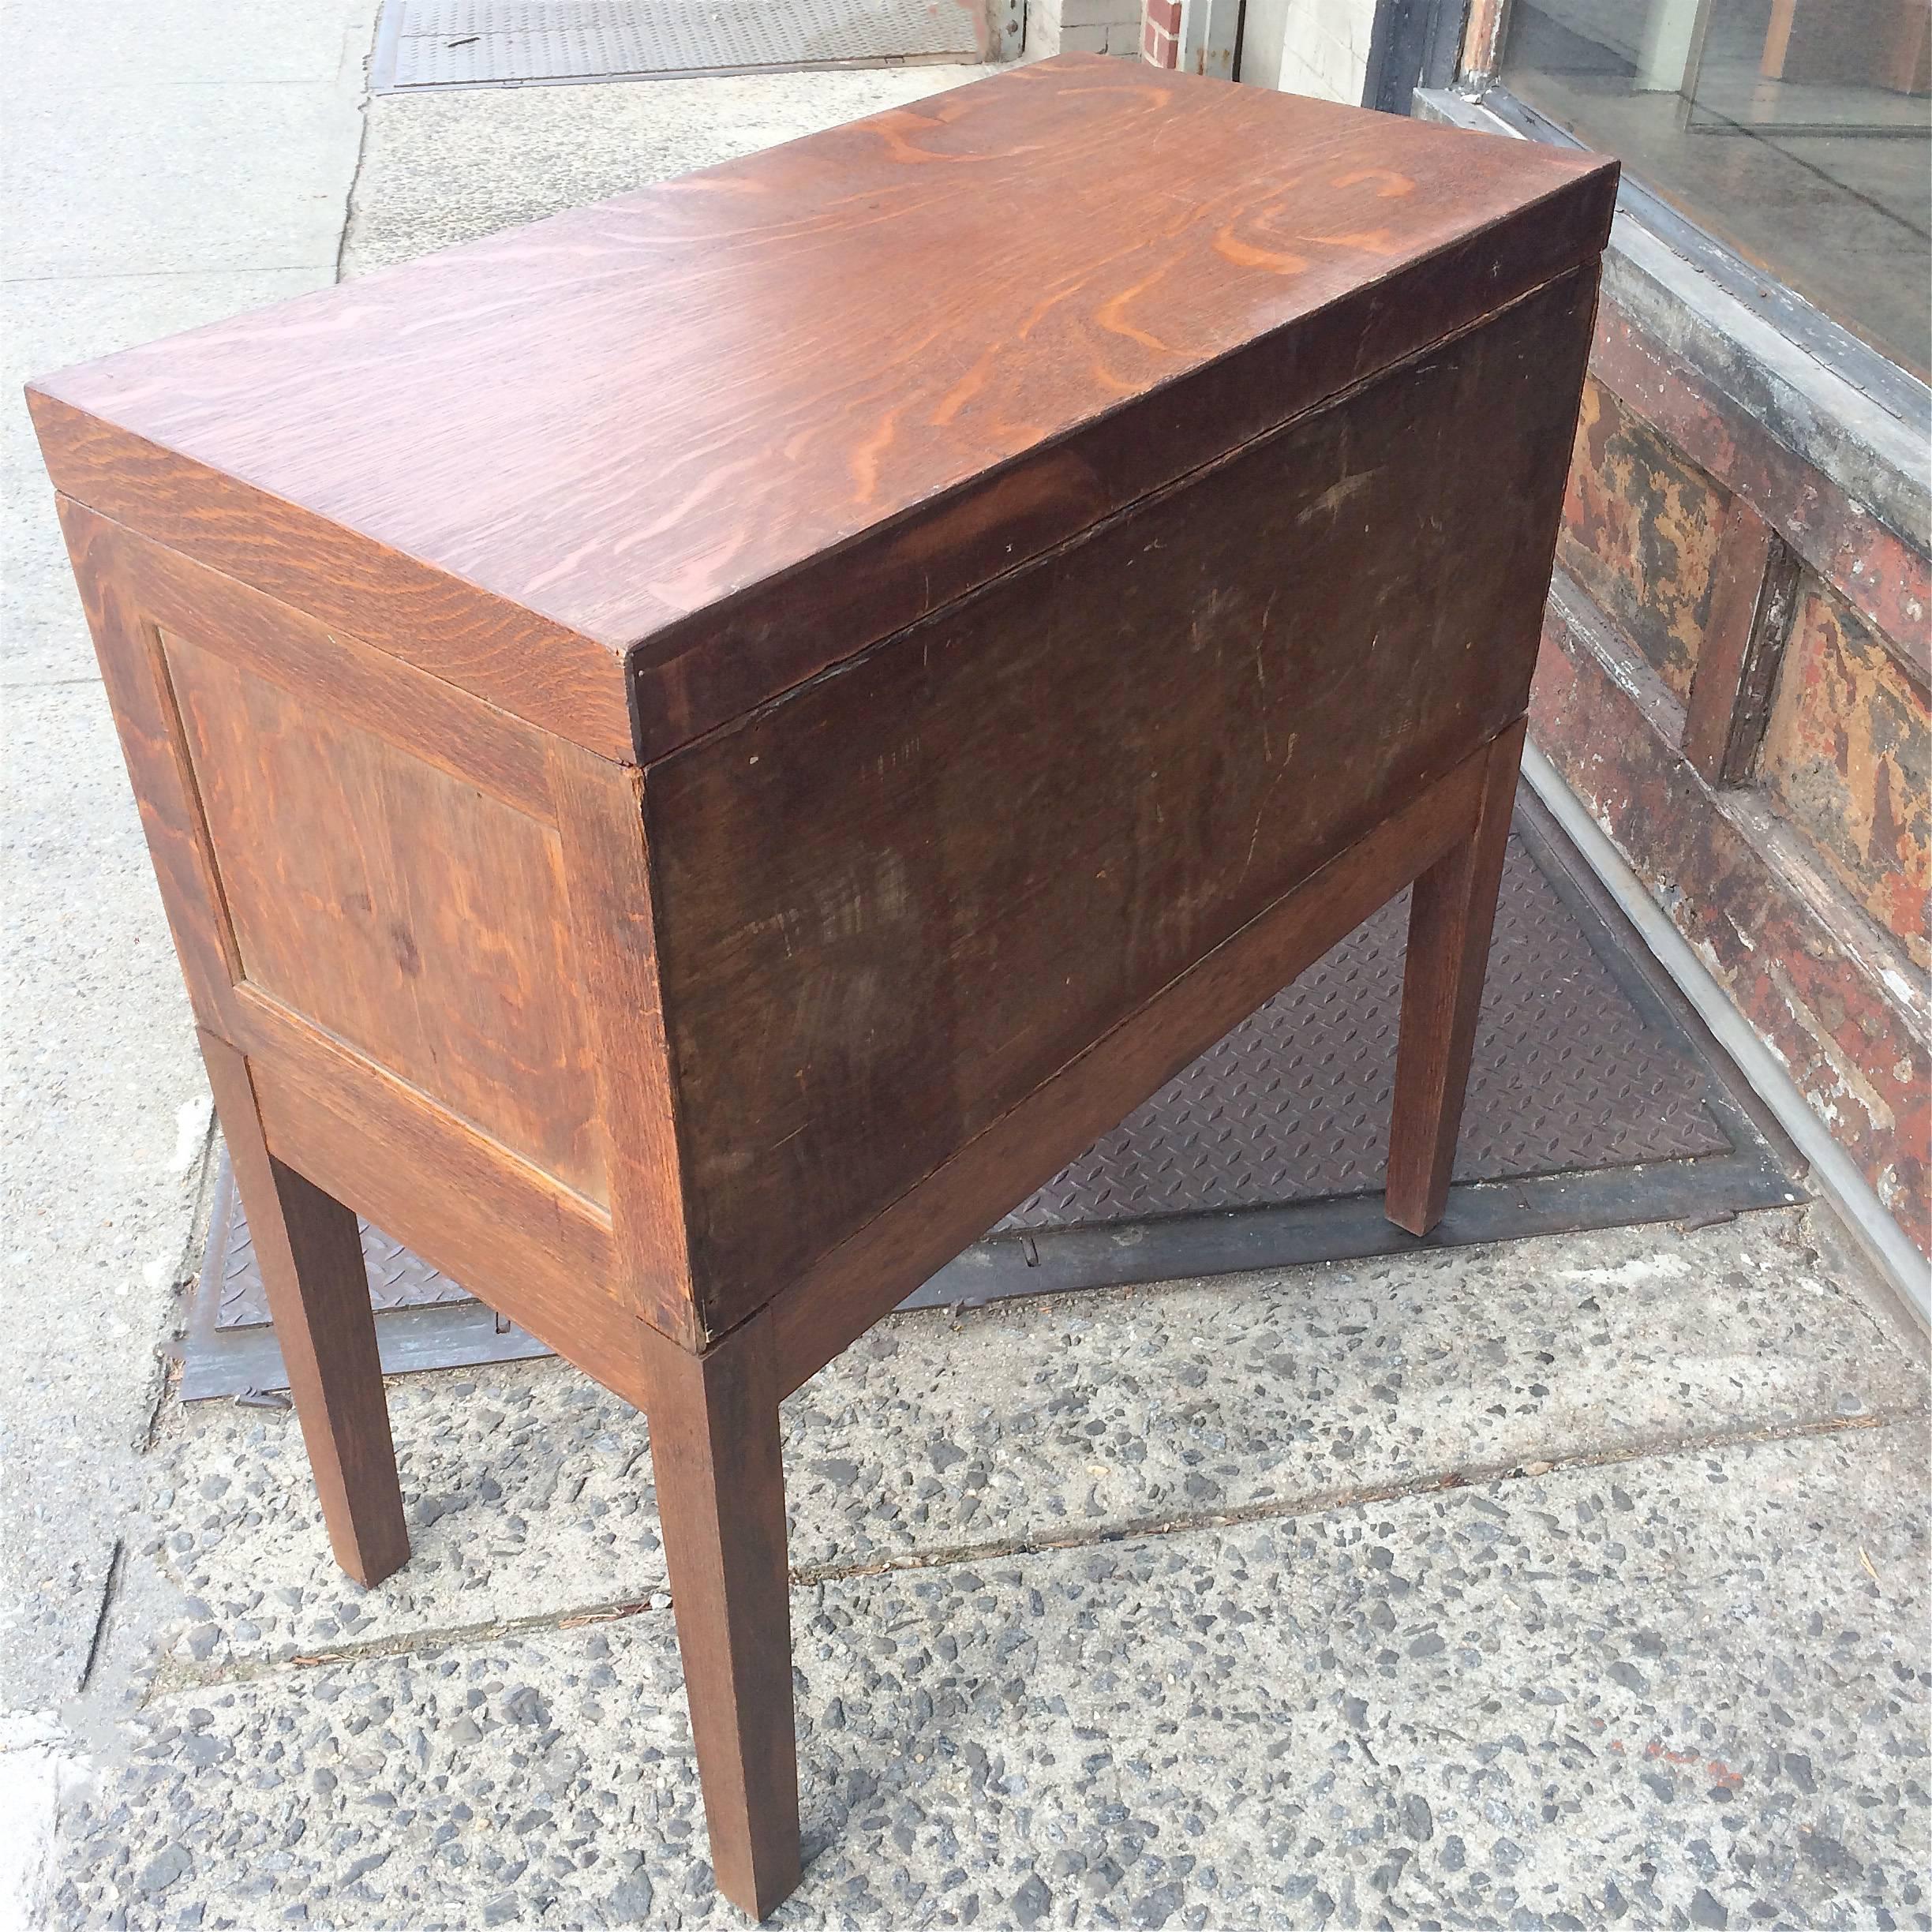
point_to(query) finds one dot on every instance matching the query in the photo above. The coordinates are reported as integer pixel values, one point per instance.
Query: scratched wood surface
(734, 427)
(697, 752)
(894, 903)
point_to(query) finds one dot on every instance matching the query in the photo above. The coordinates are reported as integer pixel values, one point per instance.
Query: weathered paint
(1641, 531)
(1756, 578)
(1846, 755)
(1886, 580)
(1853, 1052)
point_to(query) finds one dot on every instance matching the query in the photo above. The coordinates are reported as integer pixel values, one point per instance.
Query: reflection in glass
(1798, 131)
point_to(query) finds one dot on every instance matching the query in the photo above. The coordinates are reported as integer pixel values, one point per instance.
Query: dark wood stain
(840, 1296)
(695, 753)
(1449, 917)
(897, 901)
(720, 1499)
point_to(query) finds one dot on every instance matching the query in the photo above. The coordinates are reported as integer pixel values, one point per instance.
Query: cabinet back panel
(896, 901)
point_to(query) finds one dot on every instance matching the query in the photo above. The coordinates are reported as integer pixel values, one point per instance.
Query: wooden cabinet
(697, 751)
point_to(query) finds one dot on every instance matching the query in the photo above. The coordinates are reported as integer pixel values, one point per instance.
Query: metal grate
(1294, 1104)
(449, 43)
(1592, 1103)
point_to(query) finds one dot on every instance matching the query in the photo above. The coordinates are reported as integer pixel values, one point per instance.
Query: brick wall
(1160, 34)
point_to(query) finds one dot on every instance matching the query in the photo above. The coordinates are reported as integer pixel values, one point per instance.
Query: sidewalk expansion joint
(173, 1677)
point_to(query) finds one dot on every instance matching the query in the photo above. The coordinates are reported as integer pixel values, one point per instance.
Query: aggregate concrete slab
(530, 1489)
(441, 168)
(101, 1081)
(1684, 1690)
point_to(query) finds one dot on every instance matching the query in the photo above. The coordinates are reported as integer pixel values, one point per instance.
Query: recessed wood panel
(422, 920)
(895, 904)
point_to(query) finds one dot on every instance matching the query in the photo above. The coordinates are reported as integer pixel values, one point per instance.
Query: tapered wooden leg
(311, 1260)
(1451, 918)
(720, 1495)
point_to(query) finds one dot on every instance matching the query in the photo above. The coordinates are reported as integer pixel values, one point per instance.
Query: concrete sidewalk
(162, 166)
(1579, 1577)
(1576, 1580)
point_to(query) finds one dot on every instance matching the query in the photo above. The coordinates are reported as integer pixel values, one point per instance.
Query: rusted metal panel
(1846, 755)
(1640, 532)
(1883, 577)
(1849, 1041)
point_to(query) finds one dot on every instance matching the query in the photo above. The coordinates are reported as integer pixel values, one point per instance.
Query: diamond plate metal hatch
(1596, 1100)
(456, 43)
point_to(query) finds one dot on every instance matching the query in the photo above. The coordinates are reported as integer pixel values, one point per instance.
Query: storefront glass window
(1799, 132)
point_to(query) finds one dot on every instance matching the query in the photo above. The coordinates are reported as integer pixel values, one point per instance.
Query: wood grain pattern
(1449, 920)
(311, 1258)
(510, 656)
(419, 919)
(528, 1246)
(895, 902)
(459, 734)
(837, 1300)
(601, 823)
(521, 1244)
(127, 648)
(720, 1499)
(918, 347)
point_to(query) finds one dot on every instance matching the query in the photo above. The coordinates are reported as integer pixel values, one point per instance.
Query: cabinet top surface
(634, 411)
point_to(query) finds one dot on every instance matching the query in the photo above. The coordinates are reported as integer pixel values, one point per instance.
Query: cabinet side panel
(426, 926)
(127, 648)
(894, 903)
(416, 917)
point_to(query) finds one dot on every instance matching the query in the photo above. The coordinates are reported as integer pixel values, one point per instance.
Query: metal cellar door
(456, 43)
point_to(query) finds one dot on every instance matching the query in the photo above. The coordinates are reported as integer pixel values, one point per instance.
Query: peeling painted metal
(1853, 1051)
(1846, 756)
(1797, 865)
(1640, 532)
(1886, 580)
